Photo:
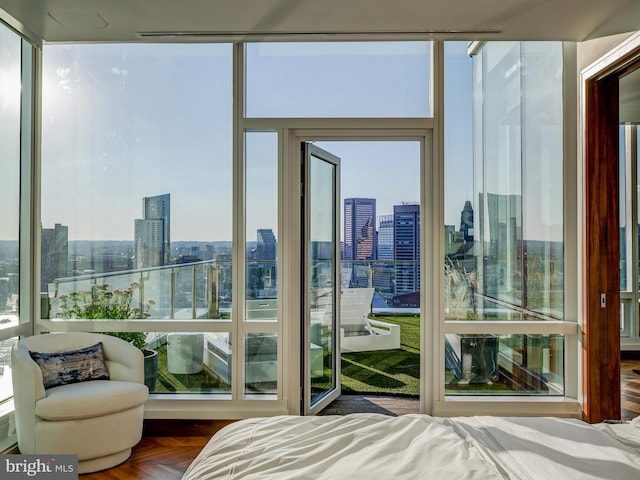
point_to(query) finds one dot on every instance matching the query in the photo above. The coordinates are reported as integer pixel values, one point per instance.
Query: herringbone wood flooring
(630, 388)
(165, 451)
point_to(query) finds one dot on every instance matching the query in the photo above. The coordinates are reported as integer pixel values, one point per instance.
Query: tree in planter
(102, 303)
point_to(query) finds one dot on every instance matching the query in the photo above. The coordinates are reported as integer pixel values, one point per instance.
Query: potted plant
(102, 303)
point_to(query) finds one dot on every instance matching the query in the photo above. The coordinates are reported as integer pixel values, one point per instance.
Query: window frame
(570, 403)
(29, 297)
(433, 400)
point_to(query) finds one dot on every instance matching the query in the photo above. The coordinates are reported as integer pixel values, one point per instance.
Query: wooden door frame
(599, 86)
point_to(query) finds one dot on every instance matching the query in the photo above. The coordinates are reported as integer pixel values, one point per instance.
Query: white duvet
(379, 447)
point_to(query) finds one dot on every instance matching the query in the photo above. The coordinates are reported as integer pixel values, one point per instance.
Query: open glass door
(321, 349)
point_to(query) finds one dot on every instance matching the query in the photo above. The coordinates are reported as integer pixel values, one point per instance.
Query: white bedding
(379, 447)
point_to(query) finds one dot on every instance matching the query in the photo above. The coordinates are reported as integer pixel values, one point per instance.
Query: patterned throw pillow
(73, 366)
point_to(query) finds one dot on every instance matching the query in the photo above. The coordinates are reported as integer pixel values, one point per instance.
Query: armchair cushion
(90, 399)
(73, 366)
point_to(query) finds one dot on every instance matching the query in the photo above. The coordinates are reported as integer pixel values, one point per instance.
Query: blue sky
(126, 121)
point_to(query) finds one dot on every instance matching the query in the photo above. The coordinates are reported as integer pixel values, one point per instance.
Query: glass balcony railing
(203, 290)
(199, 290)
(396, 283)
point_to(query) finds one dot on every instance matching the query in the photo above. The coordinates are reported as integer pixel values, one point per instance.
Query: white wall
(591, 50)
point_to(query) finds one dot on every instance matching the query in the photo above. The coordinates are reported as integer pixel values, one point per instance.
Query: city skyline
(102, 176)
(140, 144)
(265, 244)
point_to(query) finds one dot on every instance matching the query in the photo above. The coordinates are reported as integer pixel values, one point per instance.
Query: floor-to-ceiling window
(262, 267)
(16, 87)
(331, 90)
(504, 234)
(137, 170)
(149, 192)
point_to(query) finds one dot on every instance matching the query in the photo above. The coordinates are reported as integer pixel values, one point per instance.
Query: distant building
(266, 245)
(152, 233)
(406, 246)
(4, 294)
(385, 237)
(266, 256)
(452, 240)
(262, 273)
(384, 271)
(111, 262)
(501, 241)
(54, 255)
(182, 259)
(360, 229)
(148, 243)
(458, 244)
(466, 221)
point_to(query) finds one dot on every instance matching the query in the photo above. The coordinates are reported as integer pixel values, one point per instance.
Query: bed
(380, 447)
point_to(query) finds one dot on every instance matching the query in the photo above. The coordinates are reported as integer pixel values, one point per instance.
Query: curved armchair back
(124, 362)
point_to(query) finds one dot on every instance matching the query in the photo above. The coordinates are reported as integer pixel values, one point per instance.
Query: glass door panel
(321, 198)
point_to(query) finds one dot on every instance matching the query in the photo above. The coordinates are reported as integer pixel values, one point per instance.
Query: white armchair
(98, 420)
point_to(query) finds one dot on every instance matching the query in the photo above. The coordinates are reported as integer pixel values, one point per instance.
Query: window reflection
(10, 126)
(505, 259)
(487, 364)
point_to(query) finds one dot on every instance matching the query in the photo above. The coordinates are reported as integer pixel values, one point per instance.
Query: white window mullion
(572, 222)
(432, 191)
(239, 234)
(283, 353)
(29, 300)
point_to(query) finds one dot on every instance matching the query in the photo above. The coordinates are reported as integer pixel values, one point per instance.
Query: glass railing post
(212, 285)
(172, 297)
(194, 300)
(141, 292)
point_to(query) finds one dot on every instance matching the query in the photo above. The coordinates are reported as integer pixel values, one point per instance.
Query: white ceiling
(125, 20)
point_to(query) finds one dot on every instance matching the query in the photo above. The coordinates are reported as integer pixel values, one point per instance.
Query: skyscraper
(55, 254)
(466, 221)
(266, 245)
(459, 243)
(501, 236)
(385, 237)
(406, 245)
(384, 271)
(152, 233)
(262, 267)
(360, 229)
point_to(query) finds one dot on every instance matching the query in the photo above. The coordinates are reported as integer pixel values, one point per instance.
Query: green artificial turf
(204, 381)
(382, 372)
(385, 372)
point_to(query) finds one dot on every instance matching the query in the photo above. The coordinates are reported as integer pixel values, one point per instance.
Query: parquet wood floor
(165, 451)
(630, 382)
(169, 446)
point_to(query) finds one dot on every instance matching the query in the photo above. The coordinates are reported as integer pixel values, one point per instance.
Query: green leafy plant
(102, 303)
